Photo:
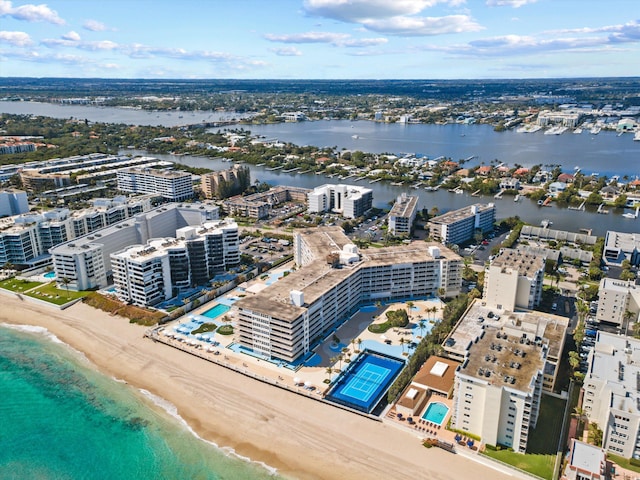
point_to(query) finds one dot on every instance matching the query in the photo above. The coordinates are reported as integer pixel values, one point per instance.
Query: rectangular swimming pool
(215, 311)
(366, 380)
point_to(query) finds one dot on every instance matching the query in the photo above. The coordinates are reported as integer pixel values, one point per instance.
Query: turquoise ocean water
(60, 419)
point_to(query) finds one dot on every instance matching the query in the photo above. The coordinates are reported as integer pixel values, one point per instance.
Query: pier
(580, 207)
(498, 195)
(374, 181)
(476, 193)
(291, 170)
(271, 169)
(602, 210)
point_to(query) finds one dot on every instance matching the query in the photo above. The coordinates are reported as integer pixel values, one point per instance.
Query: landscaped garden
(57, 296)
(18, 285)
(395, 319)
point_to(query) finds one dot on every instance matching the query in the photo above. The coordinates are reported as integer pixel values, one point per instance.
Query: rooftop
(456, 215)
(527, 264)
(404, 206)
(437, 373)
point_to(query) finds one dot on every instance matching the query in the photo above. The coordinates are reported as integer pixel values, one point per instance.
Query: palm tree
(402, 342)
(421, 324)
(329, 370)
(627, 316)
(359, 344)
(353, 344)
(579, 413)
(66, 281)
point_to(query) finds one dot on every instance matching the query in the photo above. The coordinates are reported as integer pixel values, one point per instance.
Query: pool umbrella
(296, 381)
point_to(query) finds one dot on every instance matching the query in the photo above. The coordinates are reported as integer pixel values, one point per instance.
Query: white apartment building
(566, 119)
(160, 222)
(612, 393)
(402, 215)
(615, 299)
(619, 246)
(514, 280)
(585, 462)
(172, 185)
(348, 200)
(26, 239)
(459, 226)
(147, 274)
(498, 388)
(286, 319)
(81, 268)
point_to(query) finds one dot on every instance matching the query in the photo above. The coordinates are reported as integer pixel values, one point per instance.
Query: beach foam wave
(172, 410)
(33, 329)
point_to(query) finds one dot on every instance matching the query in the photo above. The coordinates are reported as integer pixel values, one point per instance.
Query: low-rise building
(585, 462)
(460, 226)
(620, 246)
(402, 215)
(259, 205)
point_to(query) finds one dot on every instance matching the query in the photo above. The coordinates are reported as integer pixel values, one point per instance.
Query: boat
(636, 137)
(546, 223)
(355, 137)
(577, 131)
(595, 130)
(516, 198)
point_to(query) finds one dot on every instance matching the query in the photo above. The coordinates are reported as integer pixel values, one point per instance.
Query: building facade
(402, 215)
(618, 302)
(514, 280)
(286, 319)
(348, 200)
(71, 259)
(611, 396)
(172, 185)
(13, 202)
(148, 274)
(619, 246)
(460, 226)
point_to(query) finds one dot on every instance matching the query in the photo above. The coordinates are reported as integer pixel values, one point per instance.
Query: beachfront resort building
(611, 395)
(514, 280)
(287, 319)
(508, 360)
(25, 239)
(77, 260)
(460, 226)
(169, 184)
(620, 246)
(348, 200)
(148, 274)
(618, 302)
(13, 202)
(402, 215)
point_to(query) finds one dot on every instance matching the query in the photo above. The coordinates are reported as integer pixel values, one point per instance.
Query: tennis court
(366, 380)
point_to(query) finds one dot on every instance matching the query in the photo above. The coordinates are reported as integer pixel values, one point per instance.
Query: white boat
(577, 131)
(595, 130)
(516, 198)
(355, 137)
(636, 137)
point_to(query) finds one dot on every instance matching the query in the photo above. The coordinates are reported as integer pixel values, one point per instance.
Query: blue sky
(320, 39)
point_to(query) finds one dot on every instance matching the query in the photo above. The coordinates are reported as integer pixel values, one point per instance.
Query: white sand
(300, 437)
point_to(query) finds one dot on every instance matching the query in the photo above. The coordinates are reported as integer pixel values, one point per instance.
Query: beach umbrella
(297, 381)
(308, 384)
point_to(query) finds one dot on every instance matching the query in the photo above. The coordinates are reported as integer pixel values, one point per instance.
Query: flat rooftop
(318, 277)
(456, 215)
(527, 264)
(532, 323)
(404, 207)
(504, 360)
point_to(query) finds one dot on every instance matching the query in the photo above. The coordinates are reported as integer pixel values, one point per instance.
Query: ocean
(61, 419)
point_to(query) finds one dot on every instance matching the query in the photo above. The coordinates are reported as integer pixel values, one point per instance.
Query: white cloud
(286, 51)
(30, 13)
(307, 37)
(356, 11)
(424, 26)
(17, 39)
(94, 26)
(509, 3)
(99, 45)
(71, 36)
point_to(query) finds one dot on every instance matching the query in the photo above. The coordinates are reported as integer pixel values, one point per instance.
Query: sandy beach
(300, 437)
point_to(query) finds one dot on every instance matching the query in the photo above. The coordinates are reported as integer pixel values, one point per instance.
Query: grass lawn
(544, 438)
(16, 285)
(49, 293)
(540, 465)
(623, 462)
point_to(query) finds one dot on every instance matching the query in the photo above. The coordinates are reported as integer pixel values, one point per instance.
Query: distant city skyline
(320, 39)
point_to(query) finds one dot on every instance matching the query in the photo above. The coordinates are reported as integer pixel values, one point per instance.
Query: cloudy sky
(322, 39)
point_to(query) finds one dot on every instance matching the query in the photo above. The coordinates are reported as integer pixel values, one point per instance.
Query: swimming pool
(436, 412)
(368, 308)
(366, 380)
(215, 311)
(50, 275)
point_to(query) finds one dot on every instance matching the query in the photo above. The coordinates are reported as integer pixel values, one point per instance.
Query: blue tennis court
(366, 380)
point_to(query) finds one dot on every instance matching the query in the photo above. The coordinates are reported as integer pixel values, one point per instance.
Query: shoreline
(299, 437)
